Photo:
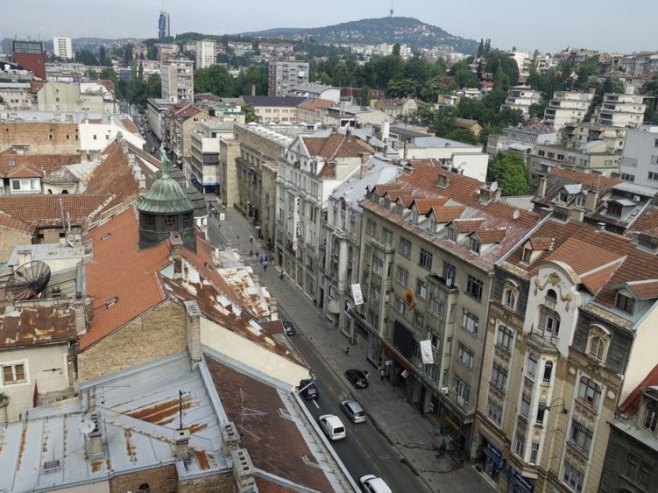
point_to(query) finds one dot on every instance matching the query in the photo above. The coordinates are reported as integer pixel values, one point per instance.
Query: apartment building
(62, 47)
(177, 77)
(428, 248)
(567, 107)
(639, 158)
(204, 157)
(339, 255)
(91, 97)
(313, 90)
(574, 135)
(566, 343)
(284, 75)
(205, 54)
(620, 110)
(519, 139)
(271, 109)
(311, 169)
(521, 98)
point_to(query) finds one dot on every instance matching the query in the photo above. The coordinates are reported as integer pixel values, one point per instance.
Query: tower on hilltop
(163, 25)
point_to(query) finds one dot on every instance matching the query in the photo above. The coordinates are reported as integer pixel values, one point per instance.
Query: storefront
(493, 460)
(519, 484)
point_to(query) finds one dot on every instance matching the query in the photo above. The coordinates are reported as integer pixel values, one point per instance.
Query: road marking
(316, 404)
(384, 457)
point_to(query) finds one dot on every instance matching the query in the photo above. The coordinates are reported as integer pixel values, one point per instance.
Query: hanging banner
(426, 352)
(357, 295)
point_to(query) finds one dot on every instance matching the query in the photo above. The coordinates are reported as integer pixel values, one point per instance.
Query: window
(498, 377)
(534, 452)
(540, 416)
(509, 297)
(399, 305)
(375, 293)
(170, 220)
(596, 348)
(371, 227)
(414, 216)
(402, 276)
(581, 436)
(653, 176)
(470, 322)
(494, 411)
(425, 259)
(474, 244)
(624, 302)
(465, 356)
(419, 319)
(388, 237)
(525, 405)
(580, 200)
(637, 471)
(573, 477)
(436, 306)
(589, 391)
(377, 265)
(474, 287)
(527, 255)
(531, 366)
(462, 390)
(12, 374)
(650, 417)
(548, 371)
(504, 338)
(452, 234)
(519, 442)
(405, 247)
(449, 271)
(421, 289)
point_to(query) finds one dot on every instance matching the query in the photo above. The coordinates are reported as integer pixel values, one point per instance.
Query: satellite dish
(87, 426)
(28, 280)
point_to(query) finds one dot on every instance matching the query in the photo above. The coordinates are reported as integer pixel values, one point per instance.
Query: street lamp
(555, 402)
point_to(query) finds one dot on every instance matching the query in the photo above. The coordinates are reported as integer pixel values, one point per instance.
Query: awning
(333, 307)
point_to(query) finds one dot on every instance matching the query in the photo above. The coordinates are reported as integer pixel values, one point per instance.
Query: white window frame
(13, 365)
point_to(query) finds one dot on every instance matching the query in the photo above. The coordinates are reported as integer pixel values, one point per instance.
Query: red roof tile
(644, 290)
(632, 402)
(122, 280)
(23, 171)
(467, 225)
(489, 236)
(541, 243)
(583, 257)
(316, 104)
(448, 213)
(47, 209)
(337, 146)
(129, 125)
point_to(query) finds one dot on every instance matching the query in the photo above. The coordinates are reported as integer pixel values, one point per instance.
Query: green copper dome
(165, 195)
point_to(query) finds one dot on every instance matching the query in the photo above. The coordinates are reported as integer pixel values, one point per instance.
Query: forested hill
(403, 30)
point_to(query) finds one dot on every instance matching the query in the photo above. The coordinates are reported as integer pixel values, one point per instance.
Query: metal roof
(137, 412)
(354, 189)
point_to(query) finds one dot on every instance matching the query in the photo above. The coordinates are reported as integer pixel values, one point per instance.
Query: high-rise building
(30, 56)
(62, 47)
(177, 78)
(205, 53)
(163, 25)
(286, 75)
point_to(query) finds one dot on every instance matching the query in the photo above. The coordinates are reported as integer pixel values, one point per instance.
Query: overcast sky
(604, 25)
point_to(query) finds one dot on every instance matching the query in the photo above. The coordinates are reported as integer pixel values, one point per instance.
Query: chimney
(590, 199)
(176, 249)
(386, 128)
(80, 318)
(243, 471)
(541, 188)
(182, 443)
(96, 447)
(193, 329)
(230, 438)
(365, 156)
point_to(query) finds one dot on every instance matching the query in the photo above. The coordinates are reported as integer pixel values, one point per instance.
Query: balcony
(544, 341)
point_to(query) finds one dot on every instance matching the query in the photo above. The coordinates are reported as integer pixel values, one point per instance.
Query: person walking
(265, 265)
(382, 372)
(347, 350)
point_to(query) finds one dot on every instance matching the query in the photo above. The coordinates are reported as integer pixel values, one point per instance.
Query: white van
(332, 426)
(374, 484)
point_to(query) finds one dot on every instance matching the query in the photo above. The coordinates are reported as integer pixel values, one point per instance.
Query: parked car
(308, 390)
(354, 411)
(332, 426)
(357, 378)
(288, 328)
(374, 484)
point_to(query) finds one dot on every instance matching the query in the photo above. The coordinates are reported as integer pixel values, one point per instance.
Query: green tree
(509, 171)
(86, 57)
(91, 74)
(108, 73)
(256, 76)
(400, 88)
(462, 135)
(650, 88)
(102, 59)
(128, 54)
(463, 74)
(537, 109)
(153, 86)
(363, 96)
(215, 79)
(250, 114)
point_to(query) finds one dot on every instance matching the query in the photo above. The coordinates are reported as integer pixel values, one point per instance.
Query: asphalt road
(364, 450)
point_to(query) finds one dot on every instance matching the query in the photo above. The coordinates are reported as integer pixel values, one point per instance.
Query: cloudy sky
(604, 25)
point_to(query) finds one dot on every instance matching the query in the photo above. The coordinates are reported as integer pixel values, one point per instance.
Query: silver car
(354, 411)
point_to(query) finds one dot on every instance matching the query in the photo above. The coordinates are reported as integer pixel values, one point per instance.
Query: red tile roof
(316, 104)
(467, 225)
(337, 146)
(122, 280)
(583, 257)
(23, 171)
(644, 290)
(489, 236)
(448, 213)
(632, 402)
(7, 221)
(44, 163)
(41, 210)
(129, 125)
(425, 205)
(541, 243)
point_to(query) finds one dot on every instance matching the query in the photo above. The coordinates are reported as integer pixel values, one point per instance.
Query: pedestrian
(347, 350)
(251, 253)
(265, 265)
(281, 275)
(366, 374)
(251, 239)
(382, 372)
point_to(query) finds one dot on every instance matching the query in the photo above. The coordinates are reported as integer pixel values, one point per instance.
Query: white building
(621, 110)
(639, 159)
(521, 98)
(205, 54)
(177, 78)
(567, 107)
(313, 90)
(523, 61)
(62, 47)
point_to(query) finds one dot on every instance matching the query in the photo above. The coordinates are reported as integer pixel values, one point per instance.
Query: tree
(128, 54)
(462, 135)
(102, 60)
(86, 57)
(256, 76)
(363, 96)
(537, 109)
(108, 73)
(153, 86)
(508, 169)
(91, 74)
(250, 113)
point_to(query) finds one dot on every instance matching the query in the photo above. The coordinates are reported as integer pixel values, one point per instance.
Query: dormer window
(510, 294)
(526, 256)
(414, 216)
(433, 225)
(580, 201)
(614, 209)
(443, 181)
(625, 302)
(474, 244)
(452, 234)
(651, 416)
(563, 197)
(596, 348)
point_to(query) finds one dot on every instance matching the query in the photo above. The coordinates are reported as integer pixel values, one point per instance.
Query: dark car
(308, 390)
(358, 378)
(288, 328)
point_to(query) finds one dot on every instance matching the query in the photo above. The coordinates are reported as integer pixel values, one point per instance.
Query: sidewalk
(414, 437)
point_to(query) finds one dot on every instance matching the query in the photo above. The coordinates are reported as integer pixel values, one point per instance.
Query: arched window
(548, 372)
(596, 348)
(551, 298)
(589, 391)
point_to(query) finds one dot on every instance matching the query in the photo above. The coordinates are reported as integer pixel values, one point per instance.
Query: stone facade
(163, 479)
(157, 333)
(41, 138)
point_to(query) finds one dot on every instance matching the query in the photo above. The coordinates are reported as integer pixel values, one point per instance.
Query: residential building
(92, 97)
(183, 120)
(592, 157)
(308, 173)
(177, 77)
(314, 111)
(575, 135)
(167, 51)
(620, 110)
(30, 56)
(567, 107)
(271, 109)
(428, 247)
(204, 158)
(472, 126)
(156, 114)
(565, 345)
(396, 108)
(339, 255)
(62, 47)
(631, 460)
(164, 27)
(521, 98)
(344, 115)
(639, 158)
(205, 54)
(313, 90)
(520, 139)
(284, 75)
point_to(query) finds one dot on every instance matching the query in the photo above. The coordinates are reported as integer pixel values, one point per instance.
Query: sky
(548, 26)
